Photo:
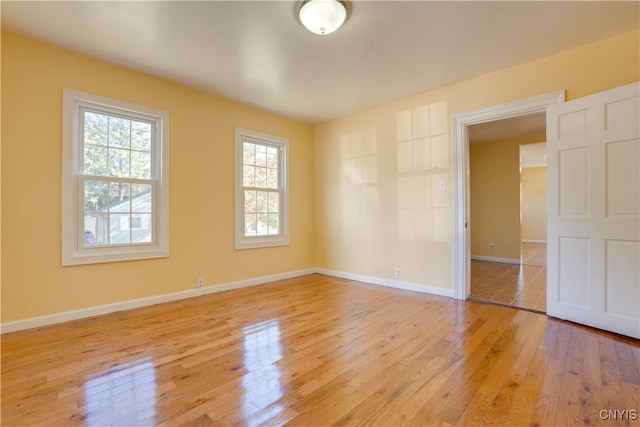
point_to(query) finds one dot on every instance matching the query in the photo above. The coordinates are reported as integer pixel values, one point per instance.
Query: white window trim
(282, 239)
(72, 252)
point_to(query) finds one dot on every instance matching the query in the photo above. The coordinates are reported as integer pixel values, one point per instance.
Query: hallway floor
(523, 285)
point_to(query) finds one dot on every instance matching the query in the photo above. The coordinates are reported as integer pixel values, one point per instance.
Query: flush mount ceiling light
(322, 16)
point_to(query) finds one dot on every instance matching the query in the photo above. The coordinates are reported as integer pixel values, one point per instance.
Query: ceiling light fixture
(322, 16)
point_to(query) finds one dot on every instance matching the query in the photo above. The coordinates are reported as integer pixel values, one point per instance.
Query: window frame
(281, 239)
(74, 251)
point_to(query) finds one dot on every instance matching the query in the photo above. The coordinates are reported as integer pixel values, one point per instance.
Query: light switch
(442, 185)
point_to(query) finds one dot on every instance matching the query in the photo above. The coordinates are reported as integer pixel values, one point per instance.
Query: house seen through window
(115, 186)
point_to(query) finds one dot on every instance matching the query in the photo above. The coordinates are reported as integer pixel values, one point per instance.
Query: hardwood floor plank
(271, 416)
(569, 410)
(613, 396)
(324, 399)
(549, 398)
(523, 404)
(502, 405)
(591, 393)
(316, 350)
(506, 350)
(465, 378)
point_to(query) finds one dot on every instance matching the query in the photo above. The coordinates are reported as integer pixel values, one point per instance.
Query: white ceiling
(258, 53)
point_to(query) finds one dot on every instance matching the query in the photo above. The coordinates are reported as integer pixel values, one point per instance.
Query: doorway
(508, 212)
(460, 133)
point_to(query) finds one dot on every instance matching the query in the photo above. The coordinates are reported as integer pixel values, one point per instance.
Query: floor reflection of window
(124, 394)
(262, 349)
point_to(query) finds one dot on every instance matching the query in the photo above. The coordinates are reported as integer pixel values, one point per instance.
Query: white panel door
(593, 152)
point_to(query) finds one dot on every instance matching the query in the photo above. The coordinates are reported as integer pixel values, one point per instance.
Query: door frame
(461, 202)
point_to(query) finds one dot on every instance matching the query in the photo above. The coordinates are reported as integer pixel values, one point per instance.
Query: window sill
(111, 255)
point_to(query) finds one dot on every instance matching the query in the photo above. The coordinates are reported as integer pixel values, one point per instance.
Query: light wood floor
(318, 351)
(523, 286)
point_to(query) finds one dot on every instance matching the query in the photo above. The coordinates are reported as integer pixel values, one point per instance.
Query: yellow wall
(201, 186)
(534, 203)
(494, 177)
(376, 204)
(392, 215)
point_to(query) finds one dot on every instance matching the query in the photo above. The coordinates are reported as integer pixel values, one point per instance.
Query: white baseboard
(533, 241)
(36, 322)
(496, 259)
(388, 282)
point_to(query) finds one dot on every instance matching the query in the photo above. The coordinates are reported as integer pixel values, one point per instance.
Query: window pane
(95, 133)
(95, 117)
(267, 224)
(250, 201)
(95, 196)
(141, 198)
(141, 228)
(95, 160)
(261, 155)
(261, 177)
(140, 136)
(274, 203)
(262, 201)
(119, 132)
(263, 224)
(272, 157)
(119, 162)
(119, 197)
(248, 153)
(141, 126)
(119, 231)
(265, 221)
(95, 230)
(140, 165)
(140, 140)
(250, 225)
(248, 176)
(272, 178)
(273, 224)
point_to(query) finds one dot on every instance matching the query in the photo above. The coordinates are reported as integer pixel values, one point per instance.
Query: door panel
(593, 152)
(623, 180)
(574, 168)
(574, 271)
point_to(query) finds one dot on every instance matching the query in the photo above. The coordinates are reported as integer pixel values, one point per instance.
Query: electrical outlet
(199, 283)
(398, 273)
(492, 247)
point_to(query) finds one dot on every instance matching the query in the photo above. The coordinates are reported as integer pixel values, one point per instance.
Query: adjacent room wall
(534, 204)
(384, 176)
(201, 184)
(495, 197)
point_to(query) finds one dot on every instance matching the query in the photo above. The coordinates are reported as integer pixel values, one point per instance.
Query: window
(115, 180)
(261, 190)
